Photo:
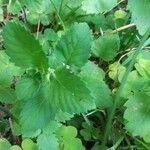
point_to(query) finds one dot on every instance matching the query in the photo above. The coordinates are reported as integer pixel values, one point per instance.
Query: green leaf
(140, 14)
(15, 147)
(7, 70)
(7, 73)
(7, 95)
(22, 47)
(65, 92)
(52, 127)
(73, 48)
(14, 7)
(89, 132)
(27, 87)
(138, 123)
(136, 84)
(50, 35)
(67, 138)
(28, 144)
(94, 81)
(4, 144)
(32, 5)
(142, 67)
(96, 73)
(116, 71)
(47, 141)
(34, 18)
(97, 6)
(106, 47)
(39, 10)
(63, 116)
(120, 14)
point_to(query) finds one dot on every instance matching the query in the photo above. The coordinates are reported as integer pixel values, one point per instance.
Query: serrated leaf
(65, 92)
(27, 87)
(138, 123)
(47, 141)
(136, 84)
(140, 14)
(32, 5)
(73, 48)
(94, 81)
(7, 95)
(106, 47)
(97, 6)
(52, 127)
(39, 10)
(67, 138)
(22, 47)
(7, 70)
(63, 116)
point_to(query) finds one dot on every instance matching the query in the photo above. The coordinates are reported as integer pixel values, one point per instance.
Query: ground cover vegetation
(74, 75)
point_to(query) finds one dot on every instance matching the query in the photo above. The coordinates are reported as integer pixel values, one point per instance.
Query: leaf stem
(120, 89)
(118, 143)
(123, 28)
(57, 12)
(119, 29)
(142, 143)
(38, 29)
(86, 119)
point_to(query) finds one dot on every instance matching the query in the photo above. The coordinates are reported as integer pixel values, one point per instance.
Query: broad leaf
(7, 95)
(95, 83)
(7, 70)
(32, 5)
(27, 87)
(28, 144)
(116, 71)
(138, 123)
(4, 144)
(47, 141)
(97, 6)
(15, 147)
(22, 47)
(106, 47)
(67, 138)
(73, 48)
(140, 14)
(65, 92)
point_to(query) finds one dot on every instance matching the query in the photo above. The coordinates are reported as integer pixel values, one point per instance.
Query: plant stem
(60, 8)
(86, 119)
(123, 28)
(120, 89)
(57, 12)
(142, 143)
(118, 143)
(119, 29)
(38, 29)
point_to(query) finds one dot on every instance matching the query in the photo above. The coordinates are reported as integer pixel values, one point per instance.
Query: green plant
(74, 75)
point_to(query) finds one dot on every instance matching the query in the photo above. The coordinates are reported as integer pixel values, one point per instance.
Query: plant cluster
(74, 75)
